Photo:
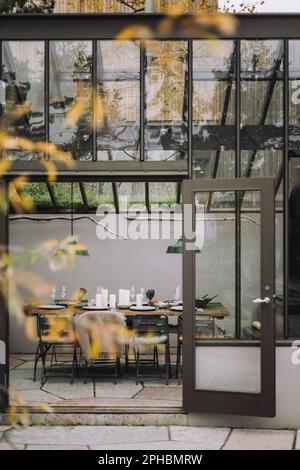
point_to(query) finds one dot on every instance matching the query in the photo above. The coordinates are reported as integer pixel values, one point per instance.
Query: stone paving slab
(14, 362)
(158, 393)
(260, 439)
(123, 389)
(120, 402)
(55, 447)
(159, 383)
(87, 435)
(33, 396)
(29, 366)
(297, 443)
(7, 446)
(23, 380)
(207, 438)
(63, 389)
(161, 445)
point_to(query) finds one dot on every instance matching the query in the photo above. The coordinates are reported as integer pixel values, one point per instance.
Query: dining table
(214, 310)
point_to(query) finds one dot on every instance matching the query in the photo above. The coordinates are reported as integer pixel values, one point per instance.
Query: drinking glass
(63, 292)
(132, 294)
(53, 294)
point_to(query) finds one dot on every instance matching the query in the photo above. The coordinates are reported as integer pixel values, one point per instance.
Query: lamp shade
(176, 248)
(71, 247)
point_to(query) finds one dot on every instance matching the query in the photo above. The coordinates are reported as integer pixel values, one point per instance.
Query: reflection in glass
(71, 97)
(23, 111)
(213, 109)
(99, 194)
(294, 191)
(37, 193)
(62, 193)
(261, 108)
(262, 133)
(227, 368)
(118, 100)
(166, 100)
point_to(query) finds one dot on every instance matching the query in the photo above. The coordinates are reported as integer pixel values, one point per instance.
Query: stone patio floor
(102, 392)
(98, 391)
(146, 438)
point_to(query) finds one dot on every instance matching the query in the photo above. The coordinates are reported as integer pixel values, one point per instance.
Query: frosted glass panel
(228, 369)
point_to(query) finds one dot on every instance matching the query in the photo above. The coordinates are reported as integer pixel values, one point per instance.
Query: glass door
(228, 303)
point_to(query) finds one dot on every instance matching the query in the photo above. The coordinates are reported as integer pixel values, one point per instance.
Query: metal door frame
(250, 404)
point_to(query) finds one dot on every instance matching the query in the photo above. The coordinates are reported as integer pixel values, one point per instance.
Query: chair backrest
(48, 323)
(204, 327)
(180, 326)
(150, 325)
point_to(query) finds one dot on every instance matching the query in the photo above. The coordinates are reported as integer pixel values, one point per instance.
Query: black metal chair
(55, 331)
(151, 330)
(204, 328)
(101, 337)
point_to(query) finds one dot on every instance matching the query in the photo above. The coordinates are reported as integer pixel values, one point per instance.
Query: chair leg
(119, 367)
(55, 358)
(156, 362)
(44, 351)
(137, 363)
(126, 356)
(167, 362)
(52, 354)
(74, 365)
(179, 365)
(85, 371)
(76, 362)
(36, 360)
(116, 369)
(178, 353)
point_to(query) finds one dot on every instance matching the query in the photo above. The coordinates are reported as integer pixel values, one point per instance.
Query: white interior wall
(112, 264)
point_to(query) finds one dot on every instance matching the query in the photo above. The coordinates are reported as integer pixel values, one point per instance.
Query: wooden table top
(213, 310)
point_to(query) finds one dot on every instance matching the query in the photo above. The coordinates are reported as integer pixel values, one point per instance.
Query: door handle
(266, 300)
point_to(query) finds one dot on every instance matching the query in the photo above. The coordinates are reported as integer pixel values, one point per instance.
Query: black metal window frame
(283, 27)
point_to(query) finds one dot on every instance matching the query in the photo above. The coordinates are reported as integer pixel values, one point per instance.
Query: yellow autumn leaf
(134, 32)
(51, 170)
(4, 166)
(76, 111)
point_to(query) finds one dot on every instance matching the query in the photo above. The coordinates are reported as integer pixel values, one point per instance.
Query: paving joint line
(227, 438)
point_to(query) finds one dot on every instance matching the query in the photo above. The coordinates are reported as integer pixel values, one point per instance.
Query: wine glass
(177, 296)
(63, 292)
(142, 291)
(53, 294)
(132, 294)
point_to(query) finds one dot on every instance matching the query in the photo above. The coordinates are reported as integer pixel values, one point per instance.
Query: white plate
(144, 308)
(175, 304)
(124, 306)
(94, 307)
(177, 308)
(52, 307)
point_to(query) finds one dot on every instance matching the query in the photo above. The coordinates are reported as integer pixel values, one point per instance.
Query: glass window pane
(99, 194)
(36, 193)
(262, 133)
(294, 190)
(118, 100)
(62, 192)
(163, 196)
(71, 97)
(261, 108)
(213, 109)
(226, 368)
(166, 100)
(131, 196)
(23, 111)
